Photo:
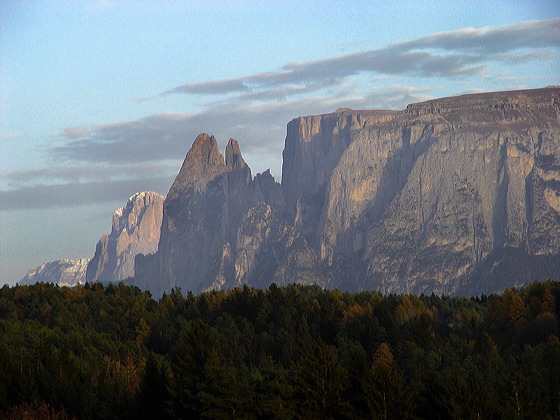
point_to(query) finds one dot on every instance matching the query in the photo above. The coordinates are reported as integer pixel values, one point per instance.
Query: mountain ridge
(135, 229)
(64, 273)
(417, 200)
(456, 195)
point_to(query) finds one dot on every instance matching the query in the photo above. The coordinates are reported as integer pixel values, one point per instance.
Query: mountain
(478, 198)
(221, 227)
(135, 230)
(62, 272)
(455, 195)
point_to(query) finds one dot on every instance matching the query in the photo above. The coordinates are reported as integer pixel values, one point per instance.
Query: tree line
(111, 351)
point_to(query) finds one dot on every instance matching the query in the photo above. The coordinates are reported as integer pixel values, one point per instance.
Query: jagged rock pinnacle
(234, 160)
(202, 164)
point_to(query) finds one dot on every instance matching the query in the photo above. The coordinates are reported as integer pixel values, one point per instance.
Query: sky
(101, 99)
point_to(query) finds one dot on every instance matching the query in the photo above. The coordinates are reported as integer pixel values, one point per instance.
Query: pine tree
(320, 381)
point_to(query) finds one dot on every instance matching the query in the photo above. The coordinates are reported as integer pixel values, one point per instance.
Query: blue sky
(100, 99)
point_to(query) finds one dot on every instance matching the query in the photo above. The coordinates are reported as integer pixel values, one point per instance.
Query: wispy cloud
(75, 132)
(115, 160)
(454, 54)
(108, 161)
(489, 41)
(78, 173)
(259, 125)
(77, 194)
(213, 87)
(8, 135)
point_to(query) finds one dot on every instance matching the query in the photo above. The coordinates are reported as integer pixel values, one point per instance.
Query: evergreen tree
(320, 381)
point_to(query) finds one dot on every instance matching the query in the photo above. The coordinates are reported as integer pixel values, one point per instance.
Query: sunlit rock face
(313, 148)
(69, 273)
(135, 230)
(454, 195)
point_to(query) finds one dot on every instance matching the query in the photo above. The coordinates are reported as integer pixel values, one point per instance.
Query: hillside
(284, 352)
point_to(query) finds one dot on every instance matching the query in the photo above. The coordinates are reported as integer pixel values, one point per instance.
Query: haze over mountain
(69, 273)
(135, 229)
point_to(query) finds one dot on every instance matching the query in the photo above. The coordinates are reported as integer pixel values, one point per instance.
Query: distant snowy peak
(65, 272)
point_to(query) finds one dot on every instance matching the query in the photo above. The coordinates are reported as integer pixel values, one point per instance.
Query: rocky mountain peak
(204, 154)
(240, 175)
(234, 160)
(202, 164)
(136, 230)
(128, 216)
(65, 272)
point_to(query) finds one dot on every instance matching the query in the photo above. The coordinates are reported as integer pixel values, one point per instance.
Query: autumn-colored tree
(514, 308)
(385, 387)
(383, 358)
(37, 411)
(548, 302)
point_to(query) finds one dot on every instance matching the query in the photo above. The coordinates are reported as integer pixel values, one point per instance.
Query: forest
(111, 351)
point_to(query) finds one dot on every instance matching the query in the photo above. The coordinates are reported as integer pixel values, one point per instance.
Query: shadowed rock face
(201, 212)
(208, 211)
(135, 230)
(455, 195)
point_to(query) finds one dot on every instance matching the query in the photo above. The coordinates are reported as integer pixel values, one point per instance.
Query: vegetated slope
(284, 352)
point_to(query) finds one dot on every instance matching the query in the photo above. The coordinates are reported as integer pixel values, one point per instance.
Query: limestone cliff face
(270, 249)
(312, 150)
(253, 233)
(446, 191)
(455, 195)
(194, 227)
(68, 273)
(300, 263)
(135, 230)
